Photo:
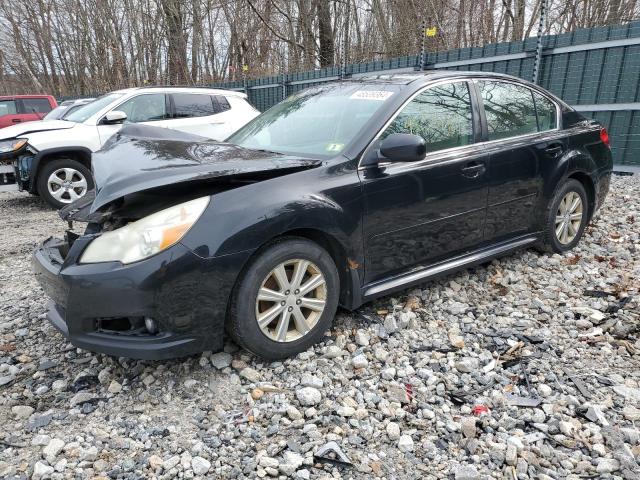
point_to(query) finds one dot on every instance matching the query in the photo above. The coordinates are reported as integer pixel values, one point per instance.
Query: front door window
(145, 108)
(442, 115)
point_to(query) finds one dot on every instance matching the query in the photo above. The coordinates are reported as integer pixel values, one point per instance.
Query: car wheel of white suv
(63, 181)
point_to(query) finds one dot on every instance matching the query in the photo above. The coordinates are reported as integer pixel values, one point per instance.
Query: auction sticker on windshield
(334, 147)
(379, 95)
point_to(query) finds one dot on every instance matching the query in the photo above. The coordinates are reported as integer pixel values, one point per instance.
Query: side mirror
(403, 147)
(113, 117)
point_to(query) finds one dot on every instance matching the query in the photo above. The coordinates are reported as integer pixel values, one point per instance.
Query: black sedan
(337, 195)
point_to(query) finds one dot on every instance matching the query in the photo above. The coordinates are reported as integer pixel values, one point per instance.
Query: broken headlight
(8, 146)
(147, 236)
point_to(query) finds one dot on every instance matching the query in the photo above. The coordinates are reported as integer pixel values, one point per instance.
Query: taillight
(604, 137)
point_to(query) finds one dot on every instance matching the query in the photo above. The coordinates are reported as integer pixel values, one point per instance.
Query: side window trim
(477, 112)
(430, 155)
(169, 106)
(535, 109)
(20, 108)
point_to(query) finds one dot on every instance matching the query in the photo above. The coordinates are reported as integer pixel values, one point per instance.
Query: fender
(35, 164)
(285, 205)
(574, 161)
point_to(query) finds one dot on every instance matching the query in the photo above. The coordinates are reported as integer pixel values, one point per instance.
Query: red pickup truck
(24, 108)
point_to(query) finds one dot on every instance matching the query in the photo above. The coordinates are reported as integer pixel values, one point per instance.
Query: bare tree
(82, 47)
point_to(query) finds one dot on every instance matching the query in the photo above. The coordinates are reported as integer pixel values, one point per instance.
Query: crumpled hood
(31, 127)
(141, 157)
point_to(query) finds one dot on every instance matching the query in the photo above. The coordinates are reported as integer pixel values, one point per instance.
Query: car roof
(416, 80)
(12, 97)
(76, 101)
(169, 89)
(406, 78)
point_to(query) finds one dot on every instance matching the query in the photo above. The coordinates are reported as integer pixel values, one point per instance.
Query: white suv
(53, 158)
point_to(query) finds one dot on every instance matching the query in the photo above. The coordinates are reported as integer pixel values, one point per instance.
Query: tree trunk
(177, 42)
(325, 33)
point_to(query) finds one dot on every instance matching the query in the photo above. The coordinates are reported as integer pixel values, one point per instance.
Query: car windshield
(320, 121)
(70, 110)
(56, 113)
(83, 113)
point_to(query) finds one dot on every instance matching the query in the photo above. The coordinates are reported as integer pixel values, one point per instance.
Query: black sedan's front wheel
(285, 300)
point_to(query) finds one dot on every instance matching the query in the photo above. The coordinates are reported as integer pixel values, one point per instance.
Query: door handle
(473, 169)
(15, 120)
(554, 150)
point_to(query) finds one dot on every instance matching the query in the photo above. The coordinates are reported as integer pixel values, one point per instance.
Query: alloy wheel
(291, 300)
(67, 185)
(568, 218)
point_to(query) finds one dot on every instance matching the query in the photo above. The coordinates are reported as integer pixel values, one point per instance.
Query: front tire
(63, 181)
(285, 299)
(567, 217)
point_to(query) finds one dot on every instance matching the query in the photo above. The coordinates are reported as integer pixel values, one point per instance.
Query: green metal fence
(596, 70)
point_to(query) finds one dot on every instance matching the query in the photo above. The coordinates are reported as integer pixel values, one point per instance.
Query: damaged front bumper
(102, 307)
(7, 174)
(15, 169)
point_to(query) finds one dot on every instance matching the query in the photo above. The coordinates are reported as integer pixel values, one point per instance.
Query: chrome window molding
(431, 156)
(439, 157)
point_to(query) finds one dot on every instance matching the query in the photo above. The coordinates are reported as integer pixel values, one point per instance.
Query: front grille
(7, 174)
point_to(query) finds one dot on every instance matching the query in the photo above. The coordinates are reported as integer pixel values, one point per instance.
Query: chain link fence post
(245, 83)
(284, 86)
(283, 79)
(423, 45)
(541, 24)
(344, 58)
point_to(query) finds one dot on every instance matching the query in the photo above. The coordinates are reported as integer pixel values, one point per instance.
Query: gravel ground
(429, 383)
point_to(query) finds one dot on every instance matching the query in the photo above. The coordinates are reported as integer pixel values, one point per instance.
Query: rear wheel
(63, 181)
(566, 217)
(285, 300)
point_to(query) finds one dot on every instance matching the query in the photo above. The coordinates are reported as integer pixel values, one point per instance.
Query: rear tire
(566, 217)
(282, 274)
(62, 181)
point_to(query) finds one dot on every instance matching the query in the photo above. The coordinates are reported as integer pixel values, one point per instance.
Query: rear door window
(187, 105)
(509, 109)
(442, 115)
(547, 113)
(8, 107)
(36, 105)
